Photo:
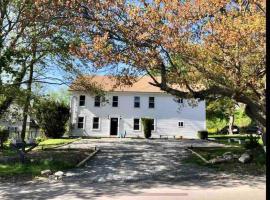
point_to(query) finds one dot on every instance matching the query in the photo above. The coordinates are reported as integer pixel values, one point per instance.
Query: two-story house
(124, 107)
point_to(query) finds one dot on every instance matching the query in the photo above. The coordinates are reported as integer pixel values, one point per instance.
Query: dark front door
(114, 126)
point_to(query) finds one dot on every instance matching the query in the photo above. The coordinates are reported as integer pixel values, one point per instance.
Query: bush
(203, 135)
(252, 143)
(4, 133)
(52, 117)
(147, 125)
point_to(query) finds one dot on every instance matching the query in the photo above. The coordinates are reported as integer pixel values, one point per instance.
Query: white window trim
(135, 102)
(83, 128)
(152, 102)
(181, 126)
(99, 123)
(115, 101)
(140, 124)
(84, 101)
(100, 102)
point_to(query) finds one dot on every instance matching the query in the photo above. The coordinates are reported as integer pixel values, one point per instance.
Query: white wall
(166, 114)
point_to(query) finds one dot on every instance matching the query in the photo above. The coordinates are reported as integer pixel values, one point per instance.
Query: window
(80, 122)
(97, 101)
(151, 102)
(82, 100)
(136, 102)
(115, 101)
(180, 100)
(95, 122)
(180, 124)
(136, 124)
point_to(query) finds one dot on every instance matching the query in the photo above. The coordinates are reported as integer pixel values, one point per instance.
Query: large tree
(33, 41)
(208, 49)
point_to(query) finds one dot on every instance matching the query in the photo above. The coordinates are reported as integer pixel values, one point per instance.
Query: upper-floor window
(97, 101)
(95, 122)
(136, 102)
(180, 124)
(151, 102)
(80, 122)
(179, 100)
(136, 124)
(115, 101)
(82, 100)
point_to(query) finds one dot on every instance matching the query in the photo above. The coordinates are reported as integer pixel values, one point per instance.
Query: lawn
(52, 143)
(256, 167)
(39, 160)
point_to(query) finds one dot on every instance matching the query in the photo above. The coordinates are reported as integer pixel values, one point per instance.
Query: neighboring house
(125, 106)
(12, 120)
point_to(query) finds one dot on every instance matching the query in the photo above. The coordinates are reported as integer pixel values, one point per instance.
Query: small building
(121, 109)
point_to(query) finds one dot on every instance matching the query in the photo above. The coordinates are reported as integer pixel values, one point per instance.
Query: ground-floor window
(180, 124)
(95, 122)
(80, 122)
(136, 124)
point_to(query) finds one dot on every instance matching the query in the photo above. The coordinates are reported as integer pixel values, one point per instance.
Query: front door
(114, 126)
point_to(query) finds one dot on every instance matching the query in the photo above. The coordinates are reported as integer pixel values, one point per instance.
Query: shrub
(252, 143)
(203, 134)
(52, 117)
(4, 133)
(147, 125)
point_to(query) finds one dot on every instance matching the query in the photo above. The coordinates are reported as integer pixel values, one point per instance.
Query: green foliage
(203, 134)
(52, 117)
(3, 137)
(62, 95)
(216, 119)
(147, 125)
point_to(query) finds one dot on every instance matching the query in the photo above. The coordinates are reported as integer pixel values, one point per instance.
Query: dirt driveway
(140, 169)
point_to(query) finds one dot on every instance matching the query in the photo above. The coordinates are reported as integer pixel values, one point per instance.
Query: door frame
(118, 119)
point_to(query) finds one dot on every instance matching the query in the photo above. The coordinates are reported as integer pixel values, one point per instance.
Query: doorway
(114, 126)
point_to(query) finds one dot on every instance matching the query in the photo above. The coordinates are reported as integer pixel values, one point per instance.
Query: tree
(32, 40)
(147, 127)
(200, 49)
(52, 117)
(222, 108)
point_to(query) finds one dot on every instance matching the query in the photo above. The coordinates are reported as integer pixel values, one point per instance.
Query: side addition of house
(124, 107)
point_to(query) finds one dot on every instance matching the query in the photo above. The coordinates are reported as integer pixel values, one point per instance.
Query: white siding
(166, 114)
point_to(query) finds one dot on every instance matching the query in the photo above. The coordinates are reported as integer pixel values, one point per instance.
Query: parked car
(252, 129)
(225, 130)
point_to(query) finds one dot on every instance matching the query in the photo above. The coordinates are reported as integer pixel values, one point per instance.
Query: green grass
(33, 169)
(51, 143)
(256, 167)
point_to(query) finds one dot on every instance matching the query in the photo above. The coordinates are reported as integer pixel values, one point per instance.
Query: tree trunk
(26, 105)
(231, 123)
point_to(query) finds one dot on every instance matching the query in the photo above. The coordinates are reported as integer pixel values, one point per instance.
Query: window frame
(95, 101)
(80, 100)
(151, 102)
(93, 123)
(115, 101)
(78, 122)
(138, 101)
(180, 100)
(181, 126)
(139, 124)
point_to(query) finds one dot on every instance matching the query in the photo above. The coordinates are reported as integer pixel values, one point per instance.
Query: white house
(125, 106)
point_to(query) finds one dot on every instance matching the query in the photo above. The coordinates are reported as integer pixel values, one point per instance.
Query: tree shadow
(129, 167)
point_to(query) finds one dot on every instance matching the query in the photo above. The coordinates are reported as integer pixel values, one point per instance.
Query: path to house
(142, 170)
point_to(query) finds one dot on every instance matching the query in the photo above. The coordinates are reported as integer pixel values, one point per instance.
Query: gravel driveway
(128, 168)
